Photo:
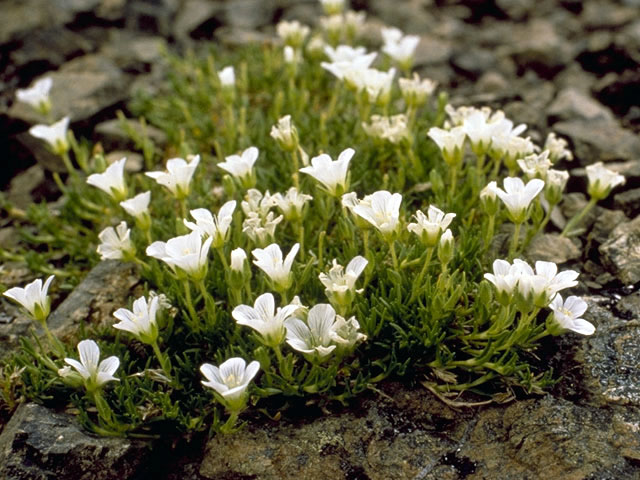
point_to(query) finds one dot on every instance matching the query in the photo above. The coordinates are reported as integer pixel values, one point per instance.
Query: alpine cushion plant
(258, 227)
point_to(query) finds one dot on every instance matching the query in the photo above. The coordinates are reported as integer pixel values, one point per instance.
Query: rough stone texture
(594, 141)
(622, 251)
(553, 248)
(38, 444)
(628, 201)
(572, 103)
(606, 222)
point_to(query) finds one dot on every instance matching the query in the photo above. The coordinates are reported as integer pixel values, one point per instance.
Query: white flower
(111, 181)
(517, 197)
(567, 315)
(55, 135)
(332, 7)
(292, 33)
(269, 260)
(230, 380)
(93, 372)
(238, 259)
(505, 278)
(178, 175)
(557, 148)
(430, 226)
(213, 226)
(445, 247)
(450, 143)
(399, 47)
(331, 174)
(292, 203)
(334, 26)
(261, 229)
(33, 298)
(141, 322)
(394, 129)
(241, 166)
(291, 56)
(375, 83)
(340, 283)
(354, 23)
(416, 91)
(186, 252)
(602, 180)
(265, 319)
(382, 210)
(480, 129)
(345, 58)
(38, 95)
(346, 333)
(538, 288)
(316, 335)
(536, 166)
(489, 198)
(285, 134)
(227, 77)
(116, 243)
(257, 202)
(137, 206)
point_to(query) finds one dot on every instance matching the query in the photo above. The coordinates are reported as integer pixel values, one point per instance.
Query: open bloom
(340, 283)
(55, 135)
(230, 380)
(315, 337)
(269, 260)
(264, 318)
(382, 210)
(566, 316)
(416, 91)
(227, 77)
(536, 165)
(37, 95)
(602, 180)
(186, 252)
(375, 83)
(555, 183)
(505, 278)
(517, 196)
(116, 243)
(332, 7)
(345, 58)
(557, 148)
(141, 322)
(399, 47)
(213, 226)
(138, 207)
(111, 181)
(450, 143)
(178, 175)
(285, 133)
(394, 129)
(331, 174)
(291, 203)
(33, 298)
(346, 333)
(292, 33)
(241, 166)
(431, 225)
(539, 287)
(94, 373)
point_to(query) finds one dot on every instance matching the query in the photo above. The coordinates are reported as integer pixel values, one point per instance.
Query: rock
(622, 251)
(601, 15)
(516, 9)
(97, 85)
(628, 307)
(599, 141)
(23, 184)
(236, 37)
(574, 104)
(609, 368)
(38, 444)
(411, 15)
(153, 16)
(135, 161)
(538, 46)
(192, 16)
(551, 247)
(113, 137)
(134, 53)
(249, 14)
(432, 50)
(21, 16)
(628, 201)
(606, 221)
(106, 288)
(493, 82)
(474, 62)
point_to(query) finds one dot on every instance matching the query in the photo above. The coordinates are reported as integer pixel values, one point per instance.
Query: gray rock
(538, 46)
(412, 16)
(21, 16)
(249, 14)
(606, 221)
(133, 52)
(154, 16)
(599, 14)
(192, 15)
(574, 104)
(595, 140)
(474, 62)
(622, 251)
(551, 247)
(23, 184)
(432, 50)
(236, 37)
(38, 444)
(628, 201)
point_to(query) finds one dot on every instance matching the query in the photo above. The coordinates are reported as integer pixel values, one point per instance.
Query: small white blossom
(241, 166)
(213, 226)
(489, 198)
(141, 322)
(238, 259)
(178, 176)
(340, 283)
(137, 206)
(261, 229)
(445, 247)
(285, 133)
(416, 91)
(292, 33)
(450, 142)
(331, 174)
(555, 183)
(230, 380)
(602, 180)
(270, 261)
(264, 318)
(517, 196)
(399, 47)
(375, 83)
(505, 278)
(567, 315)
(33, 297)
(116, 243)
(55, 135)
(94, 373)
(354, 23)
(314, 337)
(332, 7)
(346, 333)
(111, 181)
(540, 287)
(186, 252)
(429, 227)
(557, 148)
(37, 96)
(227, 77)
(291, 56)
(536, 165)
(394, 129)
(382, 210)
(292, 203)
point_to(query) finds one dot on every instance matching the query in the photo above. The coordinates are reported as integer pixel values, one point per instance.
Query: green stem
(418, 283)
(514, 242)
(189, 301)
(165, 363)
(295, 174)
(209, 302)
(578, 217)
(394, 257)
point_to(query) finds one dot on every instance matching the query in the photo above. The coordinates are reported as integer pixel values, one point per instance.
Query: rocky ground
(567, 66)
